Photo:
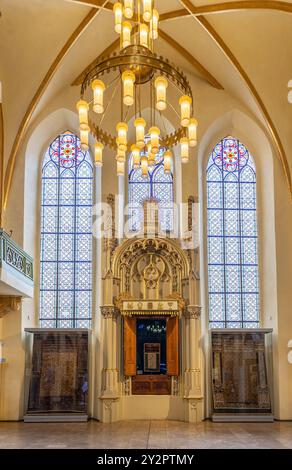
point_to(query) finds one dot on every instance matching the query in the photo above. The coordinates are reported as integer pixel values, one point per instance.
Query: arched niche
(239, 125)
(43, 134)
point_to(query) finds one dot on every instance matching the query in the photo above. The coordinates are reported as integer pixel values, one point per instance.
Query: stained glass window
(157, 185)
(232, 237)
(66, 235)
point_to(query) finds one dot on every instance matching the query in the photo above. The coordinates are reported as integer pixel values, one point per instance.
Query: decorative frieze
(150, 307)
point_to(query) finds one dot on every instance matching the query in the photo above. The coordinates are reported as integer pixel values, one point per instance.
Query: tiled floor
(146, 435)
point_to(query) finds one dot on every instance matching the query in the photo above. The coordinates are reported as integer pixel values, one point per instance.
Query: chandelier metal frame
(141, 73)
(133, 57)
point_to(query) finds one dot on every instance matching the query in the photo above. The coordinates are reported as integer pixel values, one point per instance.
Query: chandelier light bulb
(126, 34)
(140, 125)
(150, 155)
(144, 166)
(98, 148)
(84, 136)
(151, 159)
(120, 168)
(98, 88)
(136, 156)
(160, 85)
(121, 155)
(185, 105)
(144, 35)
(147, 10)
(128, 79)
(185, 151)
(154, 139)
(192, 132)
(82, 107)
(167, 159)
(154, 24)
(118, 11)
(122, 129)
(128, 8)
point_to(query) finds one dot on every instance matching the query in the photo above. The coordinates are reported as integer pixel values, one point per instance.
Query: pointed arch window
(157, 185)
(232, 237)
(66, 235)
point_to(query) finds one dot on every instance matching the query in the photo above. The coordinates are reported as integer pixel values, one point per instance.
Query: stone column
(110, 387)
(110, 372)
(193, 379)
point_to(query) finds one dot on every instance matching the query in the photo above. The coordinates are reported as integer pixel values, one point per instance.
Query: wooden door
(130, 345)
(172, 346)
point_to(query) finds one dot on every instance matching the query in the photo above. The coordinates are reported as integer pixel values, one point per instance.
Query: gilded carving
(123, 296)
(151, 274)
(9, 304)
(175, 296)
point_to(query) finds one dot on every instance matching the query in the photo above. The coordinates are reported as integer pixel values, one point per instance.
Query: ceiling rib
(233, 60)
(223, 7)
(190, 10)
(39, 93)
(94, 3)
(194, 62)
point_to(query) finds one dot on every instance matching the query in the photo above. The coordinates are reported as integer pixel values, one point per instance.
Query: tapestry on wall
(59, 377)
(239, 373)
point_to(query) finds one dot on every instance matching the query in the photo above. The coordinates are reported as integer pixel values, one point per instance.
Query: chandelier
(137, 79)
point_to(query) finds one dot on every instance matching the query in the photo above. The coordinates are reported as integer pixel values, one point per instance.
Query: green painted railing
(14, 256)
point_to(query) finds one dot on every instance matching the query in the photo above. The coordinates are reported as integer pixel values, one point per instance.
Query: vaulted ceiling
(243, 47)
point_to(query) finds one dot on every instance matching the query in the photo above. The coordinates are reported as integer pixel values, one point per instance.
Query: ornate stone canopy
(150, 268)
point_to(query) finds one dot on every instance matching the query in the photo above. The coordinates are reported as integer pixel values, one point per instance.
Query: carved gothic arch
(129, 252)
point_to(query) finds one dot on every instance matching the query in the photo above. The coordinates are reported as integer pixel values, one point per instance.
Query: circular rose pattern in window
(230, 155)
(66, 151)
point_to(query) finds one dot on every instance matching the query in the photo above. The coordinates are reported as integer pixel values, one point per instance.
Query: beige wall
(23, 216)
(283, 222)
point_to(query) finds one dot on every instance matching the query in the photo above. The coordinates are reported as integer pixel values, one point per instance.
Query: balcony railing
(13, 256)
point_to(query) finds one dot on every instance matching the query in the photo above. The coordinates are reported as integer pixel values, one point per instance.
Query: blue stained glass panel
(158, 185)
(232, 237)
(66, 235)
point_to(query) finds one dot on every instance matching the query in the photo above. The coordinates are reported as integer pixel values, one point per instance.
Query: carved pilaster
(193, 386)
(110, 372)
(9, 304)
(110, 240)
